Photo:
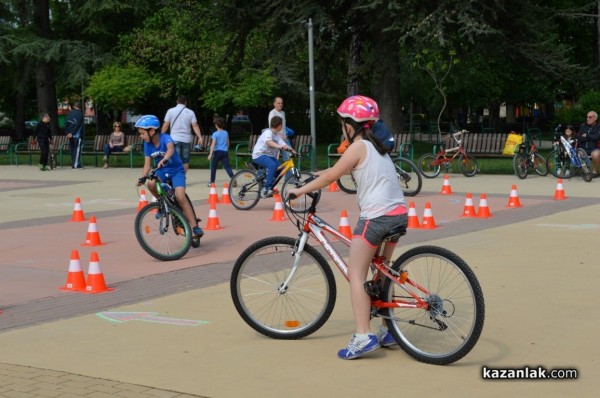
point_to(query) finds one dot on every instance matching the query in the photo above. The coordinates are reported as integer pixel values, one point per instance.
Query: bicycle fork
(297, 254)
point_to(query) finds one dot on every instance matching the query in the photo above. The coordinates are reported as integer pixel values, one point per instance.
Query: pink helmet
(359, 108)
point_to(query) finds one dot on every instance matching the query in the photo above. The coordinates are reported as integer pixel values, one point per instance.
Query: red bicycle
(429, 297)
(431, 164)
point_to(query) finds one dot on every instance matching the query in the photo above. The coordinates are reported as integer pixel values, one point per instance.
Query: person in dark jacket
(589, 135)
(43, 136)
(74, 131)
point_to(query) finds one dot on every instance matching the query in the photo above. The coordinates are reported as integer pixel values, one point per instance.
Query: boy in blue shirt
(161, 149)
(219, 148)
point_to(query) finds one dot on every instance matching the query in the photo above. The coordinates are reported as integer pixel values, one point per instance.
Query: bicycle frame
(441, 156)
(570, 151)
(318, 228)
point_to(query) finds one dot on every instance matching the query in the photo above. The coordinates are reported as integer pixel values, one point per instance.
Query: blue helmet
(148, 122)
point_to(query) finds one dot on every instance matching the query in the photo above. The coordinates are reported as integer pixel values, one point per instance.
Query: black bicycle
(409, 178)
(161, 227)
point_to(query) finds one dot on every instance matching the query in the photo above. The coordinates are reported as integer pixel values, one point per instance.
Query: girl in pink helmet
(382, 208)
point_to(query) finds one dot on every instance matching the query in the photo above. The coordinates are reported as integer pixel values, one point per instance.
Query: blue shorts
(177, 178)
(183, 149)
(372, 231)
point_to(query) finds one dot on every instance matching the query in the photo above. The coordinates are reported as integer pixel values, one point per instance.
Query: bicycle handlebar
(150, 176)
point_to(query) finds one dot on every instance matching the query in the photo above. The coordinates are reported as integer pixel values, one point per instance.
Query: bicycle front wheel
(560, 166)
(429, 165)
(539, 165)
(165, 236)
(244, 190)
(291, 312)
(586, 166)
(467, 165)
(409, 176)
(449, 328)
(347, 184)
(520, 166)
(302, 203)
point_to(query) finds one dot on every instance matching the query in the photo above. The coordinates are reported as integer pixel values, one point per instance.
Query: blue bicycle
(566, 160)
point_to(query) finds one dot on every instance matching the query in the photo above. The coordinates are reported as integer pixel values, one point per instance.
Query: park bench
(96, 148)
(6, 146)
(485, 144)
(205, 143)
(243, 150)
(402, 147)
(60, 143)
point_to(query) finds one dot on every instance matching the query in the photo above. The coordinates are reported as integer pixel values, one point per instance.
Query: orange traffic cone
(344, 227)
(428, 221)
(93, 236)
(413, 219)
(333, 187)
(278, 210)
(446, 188)
(484, 210)
(513, 200)
(469, 210)
(75, 277)
(213, 220)
(95, 279)
(213, 198)
(559, 194)
(77, 215)
(143, 200)
(225, 196)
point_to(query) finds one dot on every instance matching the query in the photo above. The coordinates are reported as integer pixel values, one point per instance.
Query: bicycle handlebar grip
(291, 196)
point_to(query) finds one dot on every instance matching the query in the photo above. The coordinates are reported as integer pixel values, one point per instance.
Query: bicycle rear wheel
(539, 165)
(291, 313)
(409, 176)
(302, 203)
(347, 184)
(467, 165)
(429, 165)
(165, 236)
(244, 190)
(447, 330)
(520, 166)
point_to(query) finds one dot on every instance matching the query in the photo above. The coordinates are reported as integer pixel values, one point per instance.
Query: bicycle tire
(520, 166)
(586, 166)
(244, 189)
(195, 241)
(429, 166)
(165, 237)
(409, 176)
(301, 204)
(297, 312)
(539, 165)
(449, 329)
(347, 184)
(467, 164)
(565, 166)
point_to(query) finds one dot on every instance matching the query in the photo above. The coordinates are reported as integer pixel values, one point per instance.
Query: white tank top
(378, 190)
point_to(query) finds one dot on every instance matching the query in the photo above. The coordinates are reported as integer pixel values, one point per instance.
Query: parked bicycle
(430, 299)
(246, 185)
(409, 178)
(161, 227)
(566, 160)
(527, 157)
(431, 164)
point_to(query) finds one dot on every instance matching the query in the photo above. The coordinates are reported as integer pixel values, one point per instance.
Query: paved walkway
(57, 343)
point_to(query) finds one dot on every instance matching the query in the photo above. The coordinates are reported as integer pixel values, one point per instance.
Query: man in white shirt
(181, 120)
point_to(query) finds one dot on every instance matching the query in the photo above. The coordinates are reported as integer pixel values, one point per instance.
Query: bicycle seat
(394, 233)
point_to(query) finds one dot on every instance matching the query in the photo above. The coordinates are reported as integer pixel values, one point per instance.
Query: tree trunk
(45, 77)
(353, 85)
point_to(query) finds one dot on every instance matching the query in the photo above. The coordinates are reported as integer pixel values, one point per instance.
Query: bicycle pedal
(373, 288)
